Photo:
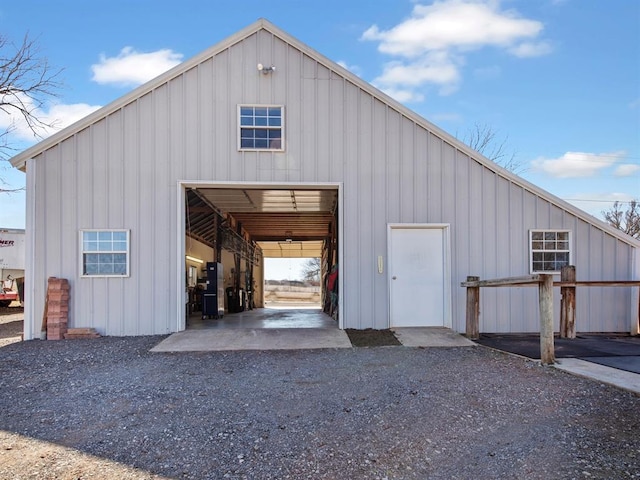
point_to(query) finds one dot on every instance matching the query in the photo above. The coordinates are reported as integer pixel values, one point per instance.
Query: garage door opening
(235, 236)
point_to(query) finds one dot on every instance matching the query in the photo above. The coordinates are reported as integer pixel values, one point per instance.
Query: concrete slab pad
(430, 337)
(611, 376)
(254, 339)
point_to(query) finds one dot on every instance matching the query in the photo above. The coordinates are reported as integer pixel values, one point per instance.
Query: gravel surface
(107, 408)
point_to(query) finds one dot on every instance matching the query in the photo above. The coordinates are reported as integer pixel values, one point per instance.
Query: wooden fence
(545, 285)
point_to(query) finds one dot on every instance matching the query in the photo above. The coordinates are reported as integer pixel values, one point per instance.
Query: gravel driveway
(107, 408)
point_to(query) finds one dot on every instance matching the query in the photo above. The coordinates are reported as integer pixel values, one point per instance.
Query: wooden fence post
(473, 310)
(568, 303)
(545, 299)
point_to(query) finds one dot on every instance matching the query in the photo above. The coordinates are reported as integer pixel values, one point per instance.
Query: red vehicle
(7, 294)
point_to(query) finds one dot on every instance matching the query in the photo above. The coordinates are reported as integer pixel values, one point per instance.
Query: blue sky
(557, 80)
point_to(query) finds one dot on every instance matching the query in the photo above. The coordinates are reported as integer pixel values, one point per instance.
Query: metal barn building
(260, 146)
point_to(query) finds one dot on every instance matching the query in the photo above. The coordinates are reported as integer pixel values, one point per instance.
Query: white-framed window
(104, 253)
(550, 250)
(261, 127)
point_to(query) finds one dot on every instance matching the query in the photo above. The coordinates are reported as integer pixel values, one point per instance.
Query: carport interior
(240, 226)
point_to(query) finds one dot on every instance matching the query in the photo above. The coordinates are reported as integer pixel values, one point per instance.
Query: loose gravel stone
(108, 408)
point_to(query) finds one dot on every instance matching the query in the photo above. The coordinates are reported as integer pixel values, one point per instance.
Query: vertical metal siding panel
(517, 254)
(40, 234)
(309, 158)
(436, 180)
(363, 218)
(422, 159)
(351, 206)
(484, 222)
(224, 121)
(408, 174)
(116, 286)
(191, 106)
(227, 154)
(501, 247)
(195, 167)
(100, 214)
(136, 283)
(83, 298)
(384, 136)
(146, 232)
(389, 130)
(336, 132)
(322, 135)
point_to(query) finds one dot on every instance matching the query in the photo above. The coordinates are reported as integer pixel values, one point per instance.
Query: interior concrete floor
(274, 316)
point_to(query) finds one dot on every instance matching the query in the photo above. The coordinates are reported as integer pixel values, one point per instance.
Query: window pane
(90, 236)
(261, 111)
(275, 112)
(260, 143)
(246, 143)
(563, 245)
(549, 245)
(119, 258)
(246, 120)
(106, 268)
(120, 236)
(261, 133)
(536, 245)
(120, 246)
(563, 235)
(536, 236)
(104, 236)
(275, 134)
(104, 246)
(261, 121)
(549, 235)
(275, 122)
(120, 269)
(246, 111)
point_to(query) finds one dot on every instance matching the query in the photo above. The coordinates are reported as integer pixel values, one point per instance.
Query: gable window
(105, 253)
(550, 250)
(260, 127)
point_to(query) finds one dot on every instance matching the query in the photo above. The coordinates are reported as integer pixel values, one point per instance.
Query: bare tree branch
(483, 139)
(626, 220)
(27, 82)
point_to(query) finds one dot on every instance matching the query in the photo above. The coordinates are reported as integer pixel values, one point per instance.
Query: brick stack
(81, 333)
(57, 308)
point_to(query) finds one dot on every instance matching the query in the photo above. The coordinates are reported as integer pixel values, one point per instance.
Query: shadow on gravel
(372, 338)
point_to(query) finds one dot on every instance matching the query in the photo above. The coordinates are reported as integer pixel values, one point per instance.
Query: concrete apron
(296, 339)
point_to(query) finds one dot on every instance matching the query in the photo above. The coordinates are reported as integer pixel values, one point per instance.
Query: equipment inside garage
(230, 230)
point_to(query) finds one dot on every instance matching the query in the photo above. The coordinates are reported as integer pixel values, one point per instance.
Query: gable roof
(19, 161)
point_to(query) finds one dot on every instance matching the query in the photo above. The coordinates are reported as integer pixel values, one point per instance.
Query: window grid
(260, 127)
(105, 253)
(550, 250)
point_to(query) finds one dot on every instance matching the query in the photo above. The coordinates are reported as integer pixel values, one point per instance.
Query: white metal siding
(122, 173)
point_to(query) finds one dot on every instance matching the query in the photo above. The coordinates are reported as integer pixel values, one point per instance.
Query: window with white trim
(550, 250)
(105, 253)
(260, 127)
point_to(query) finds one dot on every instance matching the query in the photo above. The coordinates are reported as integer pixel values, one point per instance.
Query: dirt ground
(11, 320)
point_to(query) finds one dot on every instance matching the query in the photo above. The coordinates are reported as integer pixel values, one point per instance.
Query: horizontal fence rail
(545, 283)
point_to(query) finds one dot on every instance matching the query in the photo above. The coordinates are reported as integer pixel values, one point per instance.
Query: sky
(556, 81)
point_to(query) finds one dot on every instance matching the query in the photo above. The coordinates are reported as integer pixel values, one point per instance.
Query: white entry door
(419, 276)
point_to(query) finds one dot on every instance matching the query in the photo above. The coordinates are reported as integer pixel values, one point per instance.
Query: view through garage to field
(292, 282)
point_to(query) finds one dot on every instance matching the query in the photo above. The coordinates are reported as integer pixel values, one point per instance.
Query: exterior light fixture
(266, 70)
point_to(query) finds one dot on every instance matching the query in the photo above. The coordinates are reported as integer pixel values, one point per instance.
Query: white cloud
(352, 68)
(626, 170)
(577, 164)
(403, 95)
(433, 42)
(132, 68)
(531, 49)
(58, 116)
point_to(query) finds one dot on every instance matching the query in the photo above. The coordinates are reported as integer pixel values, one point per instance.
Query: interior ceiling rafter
(300, 219)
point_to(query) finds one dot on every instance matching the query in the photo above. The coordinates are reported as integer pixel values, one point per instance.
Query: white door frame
(181, 233)
(446, 238)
